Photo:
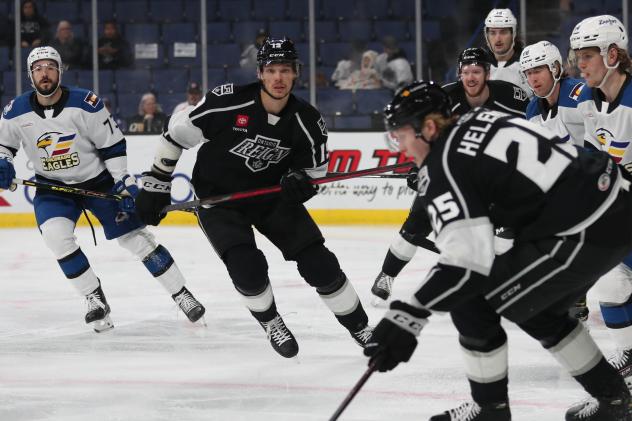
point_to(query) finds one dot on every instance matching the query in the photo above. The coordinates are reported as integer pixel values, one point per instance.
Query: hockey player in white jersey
(71, 139)
(599, 45)
(554, 105)
(505, 46)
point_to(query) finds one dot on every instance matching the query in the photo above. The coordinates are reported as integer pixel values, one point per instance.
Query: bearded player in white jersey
(72, 140)
(599, 46)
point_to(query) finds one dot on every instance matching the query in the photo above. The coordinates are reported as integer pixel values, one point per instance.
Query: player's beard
(46, 92)
(478, 92)
(503, 52)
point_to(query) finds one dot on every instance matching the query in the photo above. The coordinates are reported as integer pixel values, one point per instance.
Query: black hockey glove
(296, 187)
(395, 337)
(413, 178)
(155, 194)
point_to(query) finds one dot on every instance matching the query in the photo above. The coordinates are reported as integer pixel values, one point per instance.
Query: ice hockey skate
(471, 411)
(382, 287)
(98, 314)
(189, 305)
(622, 361)
(603, 409)
(362, 336)
(280, 337)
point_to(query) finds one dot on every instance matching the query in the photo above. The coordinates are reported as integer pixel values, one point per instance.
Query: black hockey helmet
(278, 51)
(474, 55)
(415, 101)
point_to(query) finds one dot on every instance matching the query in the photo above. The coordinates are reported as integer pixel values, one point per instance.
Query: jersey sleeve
(9, 136)
(309, 149)
(465, 239)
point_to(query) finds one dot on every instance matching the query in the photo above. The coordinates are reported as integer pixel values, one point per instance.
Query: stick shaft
(67, 189)
(354, 391)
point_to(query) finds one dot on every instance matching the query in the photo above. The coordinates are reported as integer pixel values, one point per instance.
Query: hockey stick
(214, 200)
(356, 388)
(375, 175)
(67, 189)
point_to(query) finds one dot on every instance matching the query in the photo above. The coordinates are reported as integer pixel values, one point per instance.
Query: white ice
(155, 365)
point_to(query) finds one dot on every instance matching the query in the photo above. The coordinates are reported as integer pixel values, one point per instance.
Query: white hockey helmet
(540, 54)
(501, 18)
(599, 31)
(44, 53)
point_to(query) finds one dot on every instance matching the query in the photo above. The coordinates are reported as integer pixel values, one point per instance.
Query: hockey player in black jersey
(473, 89)
(254, 136)
(571, 211)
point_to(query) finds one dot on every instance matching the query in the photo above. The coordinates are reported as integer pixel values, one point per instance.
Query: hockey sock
(603, 380)
(261, 304)
(343, 301)
(77, 269)
(162, 267)
(486, 368)
(393, 265)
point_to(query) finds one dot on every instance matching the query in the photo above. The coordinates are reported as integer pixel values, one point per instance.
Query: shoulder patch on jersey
(576, 91)
(225, 89)
(91, 99)
(519, 94)
(323, 126)
(7, 108)
(424, 181)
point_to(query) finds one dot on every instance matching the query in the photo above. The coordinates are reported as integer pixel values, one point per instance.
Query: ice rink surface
(155, 365)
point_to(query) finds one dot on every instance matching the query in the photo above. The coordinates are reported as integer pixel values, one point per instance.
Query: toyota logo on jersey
(260, 152)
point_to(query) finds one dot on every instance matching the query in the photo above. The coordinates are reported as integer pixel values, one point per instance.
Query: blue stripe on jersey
(621, 145)
(84, 99)
(67, 137)
(617, 317)
(114, 151)
(20, 105)
(158, 261)
(74, 265)
(628, 260)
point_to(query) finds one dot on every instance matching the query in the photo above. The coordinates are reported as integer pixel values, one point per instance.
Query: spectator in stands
(71, 49)
(122, 124)
(150, 118)
(366, 77)
(249, 55)
(348, 65)
(194, 95)
(392, 65)
(34, 28)
(114, 51)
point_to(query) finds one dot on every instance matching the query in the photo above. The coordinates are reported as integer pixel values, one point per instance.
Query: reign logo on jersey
(260, 152)
(55, 146)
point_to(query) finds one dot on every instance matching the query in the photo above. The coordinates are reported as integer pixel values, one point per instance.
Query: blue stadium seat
(106, 80)
(269, 9)
(302, 48)
(132, 11)
(335, 9)
(326, 31)
(133, 80)
(192, 10)
(136, 33)
(8, 82)
(297, 10)
(240, 76)
(333, 101)
(170, 80)
(611, 7)
(290, 29)
(244, 33)
(369, 101)
(4, 58)
(183, 61)
(219, 32)
(179, 32)
(333, 52)
(169, 101)
(105, 11)
(440, 9)
(410, 49)
(430, 30)
(234, 10)
(69, 78)
(158, 61)
(62, 10)
(166, 10)
(399, 29)
(80, 31)
(403, 9)
(373, 9)
(302, 93)
(355, 30)
(4, 100)
(220, 55)
(215, 76)
(128, 104)
(352, 122)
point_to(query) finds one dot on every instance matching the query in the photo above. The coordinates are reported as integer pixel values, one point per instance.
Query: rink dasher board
(356, 201)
